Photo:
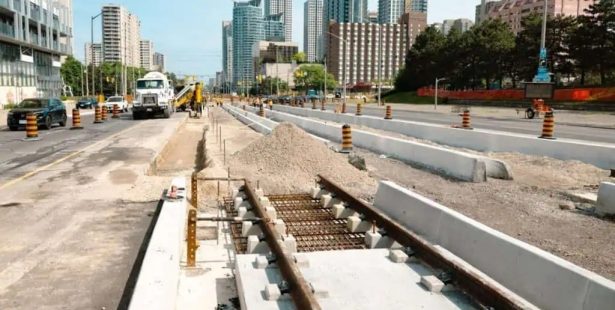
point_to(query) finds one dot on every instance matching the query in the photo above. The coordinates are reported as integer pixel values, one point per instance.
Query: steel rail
(466, 279)
(300, 290)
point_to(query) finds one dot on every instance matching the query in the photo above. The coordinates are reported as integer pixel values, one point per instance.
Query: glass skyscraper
(416, 6)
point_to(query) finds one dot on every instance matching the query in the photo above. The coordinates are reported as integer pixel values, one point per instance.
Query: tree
(270, 85)
(300, 58)
(312, 76)
(421, 65)
(599, 25)
(72, 74)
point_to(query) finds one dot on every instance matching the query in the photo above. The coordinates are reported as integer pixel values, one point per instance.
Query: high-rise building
(372, 17)
(227, 51)
(34, 36)
(342, 11)
(121, 36)
(447, 25)
(312, 29)
(273, 28)
(461, 24)
(159, 62)
(416, 6)
(513, 11)
(247, 30)
(93, 54)
(389, 11)
(147, 54)
(414, 23)
(284, 7)
(365, 52)
(482, 9)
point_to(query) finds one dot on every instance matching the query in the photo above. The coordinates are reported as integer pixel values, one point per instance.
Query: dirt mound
(288, 161)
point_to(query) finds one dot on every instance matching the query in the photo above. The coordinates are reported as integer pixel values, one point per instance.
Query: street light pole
(380, 66)
(436, 95)
(92, 51)
(345, 76)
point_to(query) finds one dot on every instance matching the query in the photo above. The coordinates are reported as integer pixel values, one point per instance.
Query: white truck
(154, 95)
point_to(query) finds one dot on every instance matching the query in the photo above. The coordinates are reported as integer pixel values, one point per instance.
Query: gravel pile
(288, 161)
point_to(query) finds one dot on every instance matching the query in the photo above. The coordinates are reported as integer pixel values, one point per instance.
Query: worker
(196, 104)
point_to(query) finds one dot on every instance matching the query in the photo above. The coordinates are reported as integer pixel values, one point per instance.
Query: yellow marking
(63, 159)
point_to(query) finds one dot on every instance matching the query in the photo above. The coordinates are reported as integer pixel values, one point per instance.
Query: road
(75, 209)
(521, 126)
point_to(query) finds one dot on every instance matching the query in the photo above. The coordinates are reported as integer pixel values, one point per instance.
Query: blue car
(48, 111)
(87, 103)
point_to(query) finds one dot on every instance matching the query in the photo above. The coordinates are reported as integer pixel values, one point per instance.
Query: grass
(407, 97)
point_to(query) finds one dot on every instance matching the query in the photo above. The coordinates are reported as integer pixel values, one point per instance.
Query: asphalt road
(521, 126)
(75, 208)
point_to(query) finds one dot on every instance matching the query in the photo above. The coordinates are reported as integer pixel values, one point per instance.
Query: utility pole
(543, 75)
(325, 92)
(380, 65)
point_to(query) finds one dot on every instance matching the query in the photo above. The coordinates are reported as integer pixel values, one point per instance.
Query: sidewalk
(564, 117)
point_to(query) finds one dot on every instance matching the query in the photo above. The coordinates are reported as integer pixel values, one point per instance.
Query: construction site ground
(532, 208)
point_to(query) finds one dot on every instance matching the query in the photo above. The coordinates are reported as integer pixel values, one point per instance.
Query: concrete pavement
(514, 125)
(72, 228)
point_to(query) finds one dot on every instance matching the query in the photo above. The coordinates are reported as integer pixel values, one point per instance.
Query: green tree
(270, 86)
(599, 26)
(300, 58)
(312, 76)
(422, 61)
(72, 74)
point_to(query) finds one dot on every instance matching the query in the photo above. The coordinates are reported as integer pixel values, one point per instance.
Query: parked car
(48, 111)
(119, 100)
(285, 99)
(87, 103)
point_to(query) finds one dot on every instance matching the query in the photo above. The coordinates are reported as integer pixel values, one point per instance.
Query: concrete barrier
(606, 199)
(459, 165)
(259, 124)
(158, 279)
(598, 154)
(541, 278)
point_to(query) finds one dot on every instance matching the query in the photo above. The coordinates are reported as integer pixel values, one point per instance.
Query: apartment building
(34, 36)
(513, 11)
(366, 52)
(93, 54)
(147, 54)
(389, 11)
(312, 28)
(121, 36)
(227, 51)
(419, 6)
(159, 62)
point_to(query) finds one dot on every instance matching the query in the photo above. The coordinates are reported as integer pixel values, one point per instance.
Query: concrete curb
(541, 278)
(598, 154)
(606, 199)
(452, 163)
(156, 286)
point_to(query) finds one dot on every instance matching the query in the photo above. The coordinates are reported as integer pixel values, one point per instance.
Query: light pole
(346, 43)
(92, 51)
(543, 75)
(380, 65)
(436, 95)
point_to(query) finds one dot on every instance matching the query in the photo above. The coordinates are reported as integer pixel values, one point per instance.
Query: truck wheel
(530, 113)
(136, 116)
(167, 113)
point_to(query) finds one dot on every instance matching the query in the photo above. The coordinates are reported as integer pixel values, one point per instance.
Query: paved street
(75, 208)
(520, 125)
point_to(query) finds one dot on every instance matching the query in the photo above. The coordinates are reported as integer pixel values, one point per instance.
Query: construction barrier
(76, 120)
(388, 113)
(261, 111)
(548, 126)
(346, 139)
(103, 113)
(569, 95)
(323, 107)
(116, 111)
(343, 107)
(98, 115)
(359, 109)
(313, 105)
(31, 127)
(466, 122)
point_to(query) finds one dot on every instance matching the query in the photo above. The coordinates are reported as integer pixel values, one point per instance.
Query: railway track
(316, 226)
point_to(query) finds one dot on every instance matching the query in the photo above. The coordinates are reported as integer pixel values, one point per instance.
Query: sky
(189, 32)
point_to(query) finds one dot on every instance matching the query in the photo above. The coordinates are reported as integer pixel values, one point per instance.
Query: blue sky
(188, 32)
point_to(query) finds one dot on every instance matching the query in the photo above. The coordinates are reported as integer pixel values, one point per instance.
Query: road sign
(539, 90)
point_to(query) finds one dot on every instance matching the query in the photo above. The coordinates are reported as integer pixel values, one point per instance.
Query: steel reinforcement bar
(466, 279)
(300, 290)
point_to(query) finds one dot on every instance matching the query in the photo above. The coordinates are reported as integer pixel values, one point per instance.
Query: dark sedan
(87, 103)
(48, 111)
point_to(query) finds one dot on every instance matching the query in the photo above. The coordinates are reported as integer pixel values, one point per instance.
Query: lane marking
(63, 159)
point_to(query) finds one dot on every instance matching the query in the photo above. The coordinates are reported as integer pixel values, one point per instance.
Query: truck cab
(154, 95)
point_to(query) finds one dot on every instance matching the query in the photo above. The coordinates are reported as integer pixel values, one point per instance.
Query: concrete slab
(598, 154)
(606, 199)
(539, 277)
(353, 279)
